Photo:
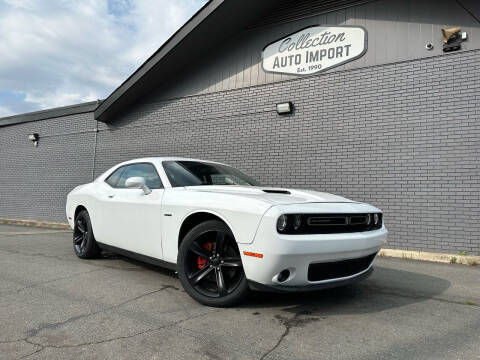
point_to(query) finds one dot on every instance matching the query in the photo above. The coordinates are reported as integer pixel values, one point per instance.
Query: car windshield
(195, 173)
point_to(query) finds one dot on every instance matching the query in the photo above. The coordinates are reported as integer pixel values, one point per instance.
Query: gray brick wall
(404, 137)
(34, 181)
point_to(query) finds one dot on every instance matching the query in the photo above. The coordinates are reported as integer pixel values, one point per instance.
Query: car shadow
(387, 288)
(109, 256)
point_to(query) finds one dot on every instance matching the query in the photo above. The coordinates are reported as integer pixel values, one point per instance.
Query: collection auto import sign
(315, 49)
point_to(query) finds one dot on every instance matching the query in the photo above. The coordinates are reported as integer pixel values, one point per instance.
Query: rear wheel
(84, 243)
(209, 265)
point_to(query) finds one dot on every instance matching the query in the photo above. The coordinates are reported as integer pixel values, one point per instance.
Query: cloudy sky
(62, 52)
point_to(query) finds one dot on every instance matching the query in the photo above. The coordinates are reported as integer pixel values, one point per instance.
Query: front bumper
(295, 253)
(313, 287)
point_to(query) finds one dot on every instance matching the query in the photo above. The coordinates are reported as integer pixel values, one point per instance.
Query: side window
(147, 171)
(112, 180)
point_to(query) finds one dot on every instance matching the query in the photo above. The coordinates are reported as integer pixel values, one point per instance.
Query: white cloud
(4, 111)
(63, 52)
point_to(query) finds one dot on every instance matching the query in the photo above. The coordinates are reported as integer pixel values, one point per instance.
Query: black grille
(330, 223)
(339, 269)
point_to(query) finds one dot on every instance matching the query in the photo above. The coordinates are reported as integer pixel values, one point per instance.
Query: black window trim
(124, 167)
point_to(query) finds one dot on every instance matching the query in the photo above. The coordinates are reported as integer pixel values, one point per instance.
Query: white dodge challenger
(221, 231)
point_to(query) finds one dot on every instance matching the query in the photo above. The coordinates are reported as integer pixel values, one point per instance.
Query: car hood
(272, 195)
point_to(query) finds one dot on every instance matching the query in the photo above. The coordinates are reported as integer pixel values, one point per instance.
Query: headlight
(375, 219)
(297, 222)
(282, 223)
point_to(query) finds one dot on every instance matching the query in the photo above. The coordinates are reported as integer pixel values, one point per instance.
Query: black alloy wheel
(84, 243)
(210, 267)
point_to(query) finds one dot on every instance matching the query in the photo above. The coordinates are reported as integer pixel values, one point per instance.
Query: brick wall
(34, 181)
(404, 137)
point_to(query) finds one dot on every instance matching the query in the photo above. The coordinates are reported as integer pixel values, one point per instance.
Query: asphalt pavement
(56, 306)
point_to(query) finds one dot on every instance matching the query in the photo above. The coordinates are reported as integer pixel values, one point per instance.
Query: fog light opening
(284, 275)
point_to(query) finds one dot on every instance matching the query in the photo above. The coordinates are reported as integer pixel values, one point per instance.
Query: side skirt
(139, 257)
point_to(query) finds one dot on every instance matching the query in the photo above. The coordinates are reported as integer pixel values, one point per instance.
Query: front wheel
(84, 243)
(209, 265)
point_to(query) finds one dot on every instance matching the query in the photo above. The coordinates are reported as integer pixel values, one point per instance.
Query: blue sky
(63, 52)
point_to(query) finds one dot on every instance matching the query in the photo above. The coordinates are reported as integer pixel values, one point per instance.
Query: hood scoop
(273, 191)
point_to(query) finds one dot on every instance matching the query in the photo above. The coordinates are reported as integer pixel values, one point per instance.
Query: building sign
(315, 49)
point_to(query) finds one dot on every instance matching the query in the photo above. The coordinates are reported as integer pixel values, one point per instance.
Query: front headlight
(282, 222)
(296, 224)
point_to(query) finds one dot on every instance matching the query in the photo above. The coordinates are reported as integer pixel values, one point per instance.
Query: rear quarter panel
(83, 195)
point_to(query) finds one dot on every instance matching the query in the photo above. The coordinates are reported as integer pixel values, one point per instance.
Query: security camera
(429, 46)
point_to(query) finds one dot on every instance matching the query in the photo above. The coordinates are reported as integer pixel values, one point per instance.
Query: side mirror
(137, 182)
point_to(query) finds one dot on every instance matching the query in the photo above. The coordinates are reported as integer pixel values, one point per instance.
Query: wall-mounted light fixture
(452, 38)
(285, 108)
(33, 138)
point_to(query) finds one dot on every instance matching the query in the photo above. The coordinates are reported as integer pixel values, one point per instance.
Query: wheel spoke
(220, 242)
(80, 226)
(231, 262)
(78, 239)
(222, 290)
(84, 243)
(199, 275)
(197, 249)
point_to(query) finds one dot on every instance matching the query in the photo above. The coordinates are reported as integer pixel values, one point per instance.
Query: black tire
(212, 274)
(84, 243)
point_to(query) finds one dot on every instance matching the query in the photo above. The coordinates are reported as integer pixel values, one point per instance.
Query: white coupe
(223, 232)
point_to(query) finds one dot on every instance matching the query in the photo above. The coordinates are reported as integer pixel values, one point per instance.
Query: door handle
(110, 196)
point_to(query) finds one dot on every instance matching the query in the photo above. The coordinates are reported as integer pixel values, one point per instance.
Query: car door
(131, 219)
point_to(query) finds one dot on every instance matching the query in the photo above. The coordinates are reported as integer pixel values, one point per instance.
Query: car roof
(155, 160)
(158, 159)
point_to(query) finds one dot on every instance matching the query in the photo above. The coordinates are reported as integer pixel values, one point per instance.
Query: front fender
(243, 216)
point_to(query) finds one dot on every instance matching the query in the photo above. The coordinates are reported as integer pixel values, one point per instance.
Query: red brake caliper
(201, 261)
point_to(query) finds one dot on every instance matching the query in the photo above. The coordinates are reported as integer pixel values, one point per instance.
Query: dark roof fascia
(171, 43)
(50, 113)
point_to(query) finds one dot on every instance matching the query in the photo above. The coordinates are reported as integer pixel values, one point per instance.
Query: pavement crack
(33, 332)
(48, 282)
(119, 337)
(284, 334)
(34, 344)
(290, 323)
(15, 252)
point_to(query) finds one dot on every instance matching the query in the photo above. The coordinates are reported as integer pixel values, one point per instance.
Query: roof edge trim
(158, 55)
(50, 113)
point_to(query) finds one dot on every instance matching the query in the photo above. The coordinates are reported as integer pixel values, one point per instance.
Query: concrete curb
(429, 256)
(35, 223)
